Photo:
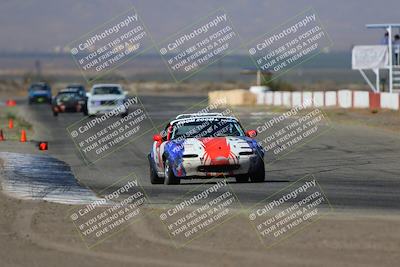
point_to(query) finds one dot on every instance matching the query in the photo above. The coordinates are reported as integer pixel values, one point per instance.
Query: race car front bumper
(39, 99)
(193, 168)
(67, 108)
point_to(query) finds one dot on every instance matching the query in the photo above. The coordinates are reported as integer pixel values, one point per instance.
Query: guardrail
(340, 98)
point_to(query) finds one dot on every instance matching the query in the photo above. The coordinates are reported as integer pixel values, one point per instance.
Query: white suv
(103, 98)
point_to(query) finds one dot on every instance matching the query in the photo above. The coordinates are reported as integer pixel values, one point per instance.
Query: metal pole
(367, 80)
(378, 89)
(390, 59)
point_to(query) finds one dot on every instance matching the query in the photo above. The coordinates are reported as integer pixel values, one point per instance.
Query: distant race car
(79, 87)
(69, 100)
(103, 98)
(39, 93)
(205, 145)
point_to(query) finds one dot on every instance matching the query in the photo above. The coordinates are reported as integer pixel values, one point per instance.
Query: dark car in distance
(39, 93)
(69, 100)
(79, 87)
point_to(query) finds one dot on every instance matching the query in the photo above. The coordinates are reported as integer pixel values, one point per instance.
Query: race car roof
(204, 117)
(69, 90)
(106, 85)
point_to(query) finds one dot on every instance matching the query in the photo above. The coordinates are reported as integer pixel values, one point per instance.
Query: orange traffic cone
(23, 136)
(2, 136)
(10, 123)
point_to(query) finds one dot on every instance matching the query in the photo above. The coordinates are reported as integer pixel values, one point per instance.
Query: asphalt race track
(357, 167)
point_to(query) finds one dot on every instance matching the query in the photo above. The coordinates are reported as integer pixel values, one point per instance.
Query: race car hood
(219, 145)
(214, 150)
(71, 102)
(39, 93)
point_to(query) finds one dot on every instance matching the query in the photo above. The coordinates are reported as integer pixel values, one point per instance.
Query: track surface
(357, 167)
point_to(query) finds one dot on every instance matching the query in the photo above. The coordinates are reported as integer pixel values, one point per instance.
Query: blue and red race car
(205, 145)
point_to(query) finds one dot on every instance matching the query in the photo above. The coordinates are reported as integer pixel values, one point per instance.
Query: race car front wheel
(258, 173)
(170, 177)
(154, 178)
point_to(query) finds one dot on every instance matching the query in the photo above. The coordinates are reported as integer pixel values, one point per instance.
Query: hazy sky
(41, 25)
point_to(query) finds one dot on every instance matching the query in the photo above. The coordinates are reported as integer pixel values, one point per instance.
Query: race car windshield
(207, 128)
(67, 96)
(37, 88)
(77, 87)
(108, 90)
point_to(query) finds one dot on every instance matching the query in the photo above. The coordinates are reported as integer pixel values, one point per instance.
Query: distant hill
(43, 25)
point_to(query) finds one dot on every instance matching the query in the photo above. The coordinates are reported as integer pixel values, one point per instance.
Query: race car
(79, 87)
(104, 98)
(39, 93)
(205, 145)
(69, 100)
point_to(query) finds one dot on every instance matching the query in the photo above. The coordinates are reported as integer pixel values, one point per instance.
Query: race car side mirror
(157, 137)
(251, 133)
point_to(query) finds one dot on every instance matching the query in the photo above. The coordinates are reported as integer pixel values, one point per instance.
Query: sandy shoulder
(42, 233)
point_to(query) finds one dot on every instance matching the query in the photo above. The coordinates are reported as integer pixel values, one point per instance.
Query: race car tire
(154, 178)
(258, 175)
(170, 177)
(242, 178)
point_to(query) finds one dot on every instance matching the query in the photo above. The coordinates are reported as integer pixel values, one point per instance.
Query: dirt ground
(38, 233)
(35, 233)
(383, 119)
(388, 120)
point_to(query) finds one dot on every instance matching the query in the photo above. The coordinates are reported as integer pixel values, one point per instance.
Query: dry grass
(19, 123)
